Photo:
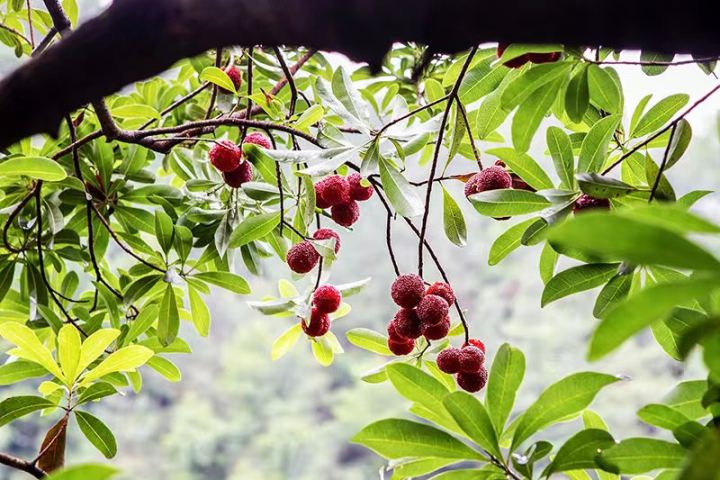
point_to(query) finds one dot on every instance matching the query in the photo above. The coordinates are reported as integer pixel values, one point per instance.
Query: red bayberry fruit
(257, 138)
(333, 190)
(472, 382)
(407, 323)
(471, 359)
(432, 310)
(327, 234)
(327, 299)
(520, 184)
(359, 192)
(240, 175)
(225, 156)
(345, 214)
(515, 62)
(586, 202)
(318, 325)
(302, 257)
(407, 290)
(401, 348)
(235, 77)
(491, 178)
(436, 332)
(448, 360)
(476, 343)
(394, 335)
(544, 57)
(319, 202)
(442, 290)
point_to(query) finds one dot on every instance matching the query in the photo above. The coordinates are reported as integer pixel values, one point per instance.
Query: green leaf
(142, 322)
(533, 79)
(401, 194)
(686, 397)
(199, 311)
(168, 317)
(612, 293)
(254, 228)
(479, 81)
(20, 370)
(96, 391)
(640, 455)
(218, 77)
(228, 281)
(503, 203)
(94, 346)
(286, 341)
(598, 186)
(652, 171)
(453, 220)
(515, 50)
(679, 143)
(69, 352)
(506, 375)
(322, 351)
(164, 230)
(659, 114)
(567, 397)
(473, 419)
(34, 167)
(577, 279)
(525, 166)
(123, 360)
(631, 240)
(138, 288)
(604, 91)
(310, 117)
(653, 70)
(345, 91)
(531, 113)
(577, 95)
(97, 433)
(548, 262)
(703, 462)
(29, 347)
(508, 242)
(135, 111)
(165, 368)
(491, 114)
(83, 472)
(662, 416)
(579, 452)
(594, 148)
(369, 340)
(15, 407)
(418, 386)
(642, 309)
(561, 150)
(396, 438)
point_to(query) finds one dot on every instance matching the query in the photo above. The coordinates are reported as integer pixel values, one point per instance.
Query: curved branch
(22, 465)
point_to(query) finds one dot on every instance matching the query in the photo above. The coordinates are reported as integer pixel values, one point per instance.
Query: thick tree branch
(22, 465)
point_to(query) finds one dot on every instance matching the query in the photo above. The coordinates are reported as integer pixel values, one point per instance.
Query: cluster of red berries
(341, 195)
(302, 257)
(227, 157)
(528, 57)
(422, 313)
(586, 202)
(326, 300)
(468, 363)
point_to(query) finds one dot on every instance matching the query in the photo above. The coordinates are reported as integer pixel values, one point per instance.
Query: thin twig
(15, 32)
(11, 219)
(45, 42)
(651, 63)
(662, 165)
(248, 110)
(291, 82)
(461, 108)
(213, 96)
(411, 113)
(30, 24)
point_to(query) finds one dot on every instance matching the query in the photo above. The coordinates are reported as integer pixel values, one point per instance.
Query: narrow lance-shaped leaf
(401, 194)
(505, 377)
(577, 279)
(97, 433)
(453, 220)
(660, 113)
(531, 113)
(561, 150)
(594, 148)
(641, 455)
(503, 203)
(577, 95)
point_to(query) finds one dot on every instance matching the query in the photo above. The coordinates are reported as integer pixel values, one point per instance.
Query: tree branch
(22, 465)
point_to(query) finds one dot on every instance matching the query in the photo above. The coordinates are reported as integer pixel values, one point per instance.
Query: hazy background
(238, 415)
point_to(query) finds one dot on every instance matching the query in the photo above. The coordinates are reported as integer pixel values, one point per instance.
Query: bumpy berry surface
(257, 138)
(327, 299)
(432, 310)
(472, 382)
(357, 191)
(235, 77)
(477, 343)
(302, 257)
(401, 348)
(471, 359)
(436, 332)
(407, 290)
(225, 156)
(333, 190)
(448, 360)
(586, 202)
(319, 202)
(407, 323)
(240, 175)
(327, 234)
(394, 335)
(318, 325)
(442, 290)
(345, 214)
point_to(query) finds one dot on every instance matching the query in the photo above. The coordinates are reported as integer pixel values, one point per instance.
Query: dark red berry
(491, 178)
(333, 190)
(401, 348)
(436, 332)
(394, 335)
(520, 184)
(318, 326)
(500, 163)
(407, 290)
(302, 257)
(327, 299)
(586, 202)
(327, 234)
(471, 359)
(359, 192)
(544, 57)
(432, 310)
(472, 382)
(345, 214)
(257, 138)
(515, 62)
(240, 175)
(448, 360)
(407, 323)
(442, 290)
(225, 156)
(235, 77)
(477, 343)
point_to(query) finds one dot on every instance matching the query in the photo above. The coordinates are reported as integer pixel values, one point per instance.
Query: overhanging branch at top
(136, 39)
